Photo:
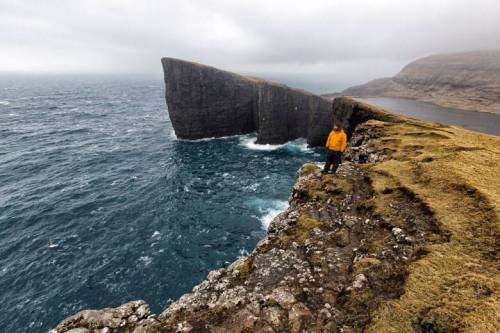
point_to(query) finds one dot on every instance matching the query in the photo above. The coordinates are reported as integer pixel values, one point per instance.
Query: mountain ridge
(467, 80)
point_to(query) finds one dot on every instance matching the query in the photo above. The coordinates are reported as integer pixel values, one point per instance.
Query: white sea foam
(243, 253)
(249, 142)
(269, 209)
(175, 138)
(298, 145)
(3, 102)
(156, 234)
(252, 187)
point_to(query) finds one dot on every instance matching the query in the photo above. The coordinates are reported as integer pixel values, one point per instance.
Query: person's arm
(344, 142)
(328, 139)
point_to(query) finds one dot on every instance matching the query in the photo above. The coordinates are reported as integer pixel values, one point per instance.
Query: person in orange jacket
(335, 146)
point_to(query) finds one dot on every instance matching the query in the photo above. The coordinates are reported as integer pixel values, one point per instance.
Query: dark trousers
(332, 157)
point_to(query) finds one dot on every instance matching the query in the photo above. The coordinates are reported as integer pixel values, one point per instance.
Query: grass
(456, 173)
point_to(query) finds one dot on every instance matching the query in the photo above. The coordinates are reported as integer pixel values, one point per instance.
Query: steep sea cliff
(204, 101)
(390, 244)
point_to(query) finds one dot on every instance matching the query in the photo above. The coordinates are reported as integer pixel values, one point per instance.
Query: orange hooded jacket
(337, 141)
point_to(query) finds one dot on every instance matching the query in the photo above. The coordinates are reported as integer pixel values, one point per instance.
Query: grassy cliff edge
(455, 172)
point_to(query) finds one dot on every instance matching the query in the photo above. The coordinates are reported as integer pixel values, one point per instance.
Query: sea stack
(204, 101)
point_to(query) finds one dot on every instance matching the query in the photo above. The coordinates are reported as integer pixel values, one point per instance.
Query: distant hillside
(469, 81)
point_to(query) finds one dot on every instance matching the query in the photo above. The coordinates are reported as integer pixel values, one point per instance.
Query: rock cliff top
(403, 239)
(469, 81)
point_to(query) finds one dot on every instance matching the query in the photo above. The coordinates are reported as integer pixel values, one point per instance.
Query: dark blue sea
(100, 204)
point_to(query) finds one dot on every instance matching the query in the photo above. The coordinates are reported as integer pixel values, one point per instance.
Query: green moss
(244, 268)
(316, 260)
(374, 247)
(341, 237)
(307, 169)
(364, 263)
(362, 296)
(305, 223)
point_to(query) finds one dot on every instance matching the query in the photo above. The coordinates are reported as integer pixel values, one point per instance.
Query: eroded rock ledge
(375, 248)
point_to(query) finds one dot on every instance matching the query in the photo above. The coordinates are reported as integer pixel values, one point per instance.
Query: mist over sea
(100, 204)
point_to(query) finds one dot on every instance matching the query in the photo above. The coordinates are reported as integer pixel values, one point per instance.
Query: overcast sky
(318, 45)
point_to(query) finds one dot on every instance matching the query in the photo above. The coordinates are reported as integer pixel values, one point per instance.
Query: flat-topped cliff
(390, 244)
(469, 81)
(204, 101)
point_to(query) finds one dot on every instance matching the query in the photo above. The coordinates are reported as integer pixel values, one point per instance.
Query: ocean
(101, 204)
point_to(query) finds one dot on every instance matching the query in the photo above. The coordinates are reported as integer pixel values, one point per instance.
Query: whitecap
(252, 187)
(145, 260)
(156, 234)
(53, 245)
(4, 102)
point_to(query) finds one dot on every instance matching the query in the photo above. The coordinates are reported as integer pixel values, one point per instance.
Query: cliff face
(207, 102)
(390, 244)
(469, 81)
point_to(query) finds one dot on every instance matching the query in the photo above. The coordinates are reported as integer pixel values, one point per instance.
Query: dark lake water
(477, 121)
(100, 204)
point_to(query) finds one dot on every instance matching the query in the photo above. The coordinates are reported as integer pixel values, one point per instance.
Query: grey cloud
(317, 44)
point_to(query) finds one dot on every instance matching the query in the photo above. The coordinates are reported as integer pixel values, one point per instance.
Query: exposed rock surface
(207, 102)
(132, 317)
(390, 244)
(469, 81)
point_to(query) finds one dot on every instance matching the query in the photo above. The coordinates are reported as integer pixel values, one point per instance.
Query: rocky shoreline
(347, 255)
(325, 263)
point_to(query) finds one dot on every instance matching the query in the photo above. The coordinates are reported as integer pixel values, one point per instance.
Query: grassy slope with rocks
(403, 239)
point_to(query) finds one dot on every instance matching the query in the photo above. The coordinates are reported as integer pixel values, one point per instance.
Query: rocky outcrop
(207, 102)
(130, 317)
(469, 81)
